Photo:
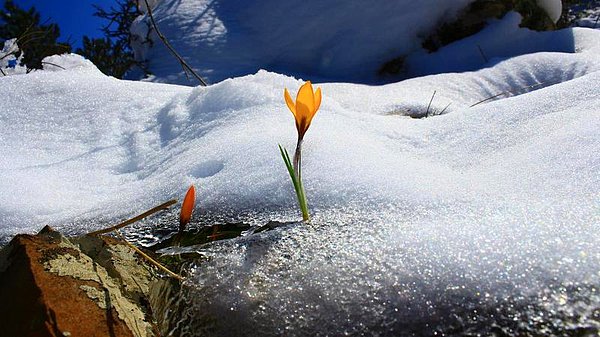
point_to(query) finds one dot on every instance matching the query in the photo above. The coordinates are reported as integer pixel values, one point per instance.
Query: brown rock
(49, 286)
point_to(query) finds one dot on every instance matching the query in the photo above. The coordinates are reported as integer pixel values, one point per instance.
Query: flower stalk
(304, 109)
(297, 182)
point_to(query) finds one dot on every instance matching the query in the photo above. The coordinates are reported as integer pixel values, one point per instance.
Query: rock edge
(83, 286)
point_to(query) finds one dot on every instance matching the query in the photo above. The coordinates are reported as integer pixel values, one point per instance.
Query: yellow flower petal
(317, 99)
(306, 106)
(303, 118)
(306, 96)
(290, 103)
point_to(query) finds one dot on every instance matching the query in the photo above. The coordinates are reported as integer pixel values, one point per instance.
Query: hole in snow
(207, 169)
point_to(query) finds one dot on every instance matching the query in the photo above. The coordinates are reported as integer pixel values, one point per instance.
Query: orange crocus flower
(187, 207)
(306, 106)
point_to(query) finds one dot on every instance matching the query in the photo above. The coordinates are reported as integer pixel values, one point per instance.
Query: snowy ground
(419, 224)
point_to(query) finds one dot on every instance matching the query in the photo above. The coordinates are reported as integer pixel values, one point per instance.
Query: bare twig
(149, 259)
(490, 98)
(32, 36)
(7, 55)
(134, 219)
(184, 65)
(53, 64)
(14, 52)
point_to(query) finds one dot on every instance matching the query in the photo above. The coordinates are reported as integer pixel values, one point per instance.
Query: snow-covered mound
(68, 62)
(77, 144)
(500, 40)
(337, 40)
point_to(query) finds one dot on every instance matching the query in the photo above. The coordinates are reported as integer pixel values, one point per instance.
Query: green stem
(296, 180)
(298, 158)
(303, 204)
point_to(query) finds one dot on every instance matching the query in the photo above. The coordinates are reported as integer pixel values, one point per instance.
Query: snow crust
(410, 215)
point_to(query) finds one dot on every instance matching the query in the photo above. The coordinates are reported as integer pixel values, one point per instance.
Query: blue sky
(74, 17)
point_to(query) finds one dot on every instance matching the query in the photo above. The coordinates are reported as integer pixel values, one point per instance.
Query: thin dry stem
(135, 219)
(429, 105)
(149, 259)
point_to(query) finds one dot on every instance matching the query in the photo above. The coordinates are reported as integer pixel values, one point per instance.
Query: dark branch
(184, 65)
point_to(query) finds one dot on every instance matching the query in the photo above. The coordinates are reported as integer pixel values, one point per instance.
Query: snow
(488, 206)
(586, 17)
(65, 147)
(501, 39)
(222, 39)
(66, 62)
(9, 63)
(90, 143)
(337, 39)
(552, 7)
(7, 52)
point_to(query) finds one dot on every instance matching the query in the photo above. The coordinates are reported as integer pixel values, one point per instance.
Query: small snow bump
(67, 62)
